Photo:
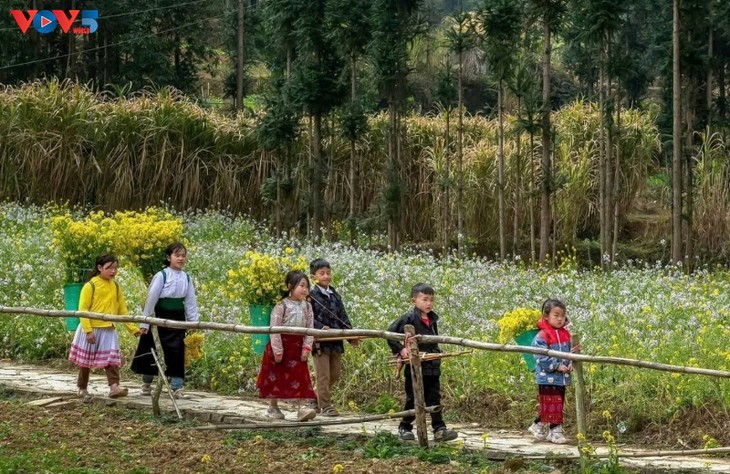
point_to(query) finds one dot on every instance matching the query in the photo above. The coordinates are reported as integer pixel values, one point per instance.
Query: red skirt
(288, 379)
(552, 399)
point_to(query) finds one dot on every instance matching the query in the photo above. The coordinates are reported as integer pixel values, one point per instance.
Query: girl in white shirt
(171, 295)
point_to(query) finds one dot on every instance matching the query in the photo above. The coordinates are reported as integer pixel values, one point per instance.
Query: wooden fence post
(161, 378)
(580, 403)
(419, 403)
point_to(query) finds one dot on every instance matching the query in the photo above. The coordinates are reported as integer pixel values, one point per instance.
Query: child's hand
(143, 331)
(90, 337)
(405, 353)
(305, 356)
(138, 333)
(575, 348)
(278, 358)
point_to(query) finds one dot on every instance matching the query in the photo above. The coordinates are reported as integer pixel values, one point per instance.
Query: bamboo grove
(509, 128)
(63, 142)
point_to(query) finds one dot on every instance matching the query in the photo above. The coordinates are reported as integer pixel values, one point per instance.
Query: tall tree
(393, 28)
(446, 97)
(460, 39)
(676, 139)
(350, 28)
(318, 88)
(549, 13)
(500, 22)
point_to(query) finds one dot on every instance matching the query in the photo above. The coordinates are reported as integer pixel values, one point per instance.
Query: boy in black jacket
(424, 320)
(329, 313)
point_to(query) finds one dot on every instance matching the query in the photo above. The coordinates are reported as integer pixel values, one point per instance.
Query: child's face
(423, 302)
(299, 292)
(178, 259)
(323, 277)
(556, 318)
(108, 270)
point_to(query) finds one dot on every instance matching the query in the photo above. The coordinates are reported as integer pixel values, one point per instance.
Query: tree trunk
(546, 171)
(500, 171)
(602, 155)
(310, 167)
(239, 62)
(518, 191)
(722, 95)
(531, 200)
(689, 111)
(608, 214)
(353, 157)
(676, 142)
(617, 174)
(710, 40)
(317, 176)
(447, 185)
(460, 161)
(71, 58)
(392, 174)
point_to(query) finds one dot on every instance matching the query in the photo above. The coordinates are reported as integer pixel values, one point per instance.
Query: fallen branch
(634, 454)
(302, 424)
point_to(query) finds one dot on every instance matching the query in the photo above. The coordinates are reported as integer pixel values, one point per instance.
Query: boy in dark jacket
(329, 313)
(424, 320)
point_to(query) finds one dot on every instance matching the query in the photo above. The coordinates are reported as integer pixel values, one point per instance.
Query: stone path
(210, 407)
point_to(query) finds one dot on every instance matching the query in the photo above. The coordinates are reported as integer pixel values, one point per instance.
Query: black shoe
(443, 434)
(406, 435)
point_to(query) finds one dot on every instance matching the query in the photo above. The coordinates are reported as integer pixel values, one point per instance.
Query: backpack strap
(164, 277)
(93, 289)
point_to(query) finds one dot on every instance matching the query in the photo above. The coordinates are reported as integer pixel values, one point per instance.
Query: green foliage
(623, 313)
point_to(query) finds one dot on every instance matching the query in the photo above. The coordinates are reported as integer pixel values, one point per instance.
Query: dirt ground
(91, 438)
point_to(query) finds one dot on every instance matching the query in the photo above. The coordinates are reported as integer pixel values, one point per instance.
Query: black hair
(551, 303)
(102, 260)
(318, 263)
(292, 281)
(422, 288)
(171, 249)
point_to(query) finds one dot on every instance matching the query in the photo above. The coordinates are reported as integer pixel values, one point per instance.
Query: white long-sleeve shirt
(177, 284)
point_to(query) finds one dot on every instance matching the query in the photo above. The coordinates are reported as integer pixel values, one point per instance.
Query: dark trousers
(432, 396)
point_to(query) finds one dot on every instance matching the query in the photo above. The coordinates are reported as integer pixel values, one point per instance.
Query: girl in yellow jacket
(96, 342)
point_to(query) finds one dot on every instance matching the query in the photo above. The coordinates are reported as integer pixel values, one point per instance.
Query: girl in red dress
(284, 371)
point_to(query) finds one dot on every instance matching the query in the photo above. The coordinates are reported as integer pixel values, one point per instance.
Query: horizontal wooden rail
(458, 341)
(304, 424)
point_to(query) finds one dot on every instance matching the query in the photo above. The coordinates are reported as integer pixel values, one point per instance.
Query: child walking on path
(329, 313)
(284, 371)
(171, 295)
(551, 373)
(96, 343)
(424, 320)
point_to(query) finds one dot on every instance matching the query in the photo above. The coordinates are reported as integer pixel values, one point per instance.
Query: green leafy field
(643, 311)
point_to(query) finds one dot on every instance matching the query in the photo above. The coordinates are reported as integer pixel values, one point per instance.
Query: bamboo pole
(302, 424)
(417, 382)
(580, 404)
(162, 381)
(632, 454)
(426, 356)
(349, 333)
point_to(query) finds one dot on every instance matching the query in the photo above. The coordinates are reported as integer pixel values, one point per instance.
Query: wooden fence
(371, 333)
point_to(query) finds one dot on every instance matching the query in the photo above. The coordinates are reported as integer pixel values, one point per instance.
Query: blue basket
(525, 339)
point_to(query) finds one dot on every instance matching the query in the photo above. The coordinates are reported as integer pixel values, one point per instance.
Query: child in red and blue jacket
(552, 374)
